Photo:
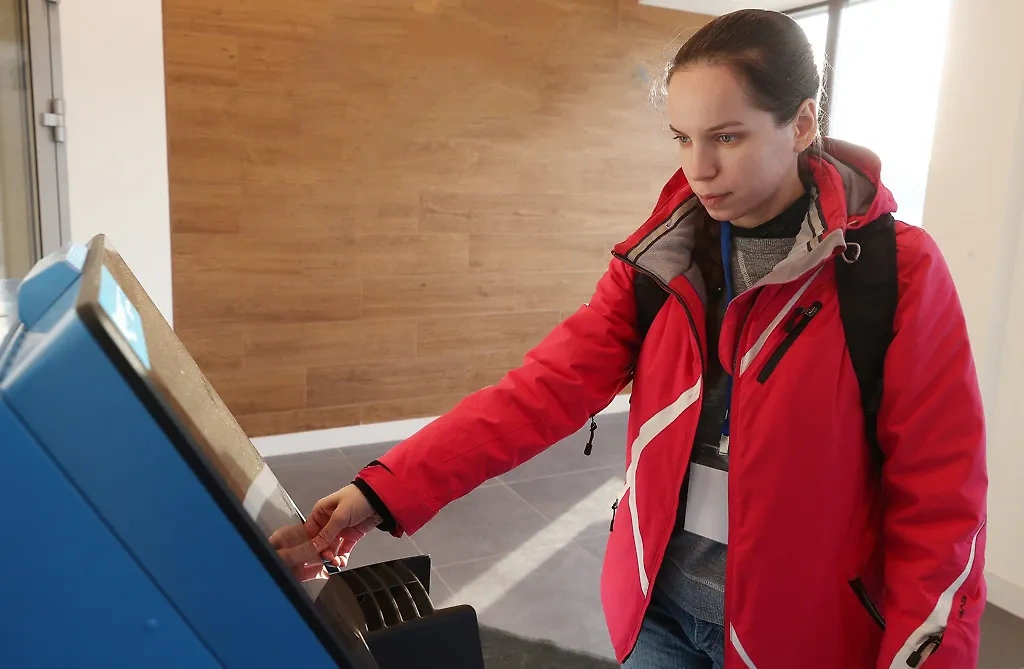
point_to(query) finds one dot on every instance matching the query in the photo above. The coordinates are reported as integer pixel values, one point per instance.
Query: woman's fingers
(332, 550)
(345, 552)
(346, 514)
(368, 524)
(287, 536)
(301, 554)
(293, 544)
(330, 532)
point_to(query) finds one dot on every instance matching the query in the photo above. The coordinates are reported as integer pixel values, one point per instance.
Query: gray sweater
(693, 573)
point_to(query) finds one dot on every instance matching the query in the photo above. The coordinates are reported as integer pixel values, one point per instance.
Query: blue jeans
(673, 639)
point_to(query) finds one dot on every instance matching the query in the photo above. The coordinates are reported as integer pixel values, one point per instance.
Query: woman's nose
(703, 165)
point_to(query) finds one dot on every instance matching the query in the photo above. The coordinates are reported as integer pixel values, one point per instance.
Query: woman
(835, 558)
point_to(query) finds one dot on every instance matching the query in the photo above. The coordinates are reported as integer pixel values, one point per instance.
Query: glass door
(20, 245)
(33, 182)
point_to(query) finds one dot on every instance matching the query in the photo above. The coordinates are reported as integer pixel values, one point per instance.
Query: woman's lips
(713, 200)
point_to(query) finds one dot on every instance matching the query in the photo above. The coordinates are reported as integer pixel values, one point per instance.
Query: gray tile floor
(526, 548)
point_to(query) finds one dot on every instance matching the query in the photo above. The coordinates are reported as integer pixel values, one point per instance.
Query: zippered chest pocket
(795, 326)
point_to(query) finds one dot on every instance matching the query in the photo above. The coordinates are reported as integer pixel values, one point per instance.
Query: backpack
(868, 291)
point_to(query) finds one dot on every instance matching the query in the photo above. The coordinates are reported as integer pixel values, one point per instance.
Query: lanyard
(727, 260)
(730, 290)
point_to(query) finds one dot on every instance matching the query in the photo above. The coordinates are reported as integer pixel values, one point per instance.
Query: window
(888, 69)
(815, 24)
(33, 193)
(888, 74)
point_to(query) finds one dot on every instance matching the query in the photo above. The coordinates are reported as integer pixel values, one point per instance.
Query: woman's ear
(805, 125)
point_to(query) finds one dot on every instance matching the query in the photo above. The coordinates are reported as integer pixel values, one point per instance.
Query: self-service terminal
(139, 514)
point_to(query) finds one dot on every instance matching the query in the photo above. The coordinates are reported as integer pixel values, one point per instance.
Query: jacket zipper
(664, 286)
(801, 319)
(739, 348)
(615, 506)
(735, 379)
(924, 651)
(590, 443)
(700, 354)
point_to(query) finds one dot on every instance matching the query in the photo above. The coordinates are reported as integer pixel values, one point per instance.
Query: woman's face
(738, 160)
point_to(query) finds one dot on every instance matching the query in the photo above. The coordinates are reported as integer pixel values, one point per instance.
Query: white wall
(975, 210)
(113, 64)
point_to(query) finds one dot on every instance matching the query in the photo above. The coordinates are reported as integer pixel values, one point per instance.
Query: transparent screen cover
(179, 384)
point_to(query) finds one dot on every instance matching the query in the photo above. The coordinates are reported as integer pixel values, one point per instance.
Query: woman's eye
(682, 139)
(727, 139)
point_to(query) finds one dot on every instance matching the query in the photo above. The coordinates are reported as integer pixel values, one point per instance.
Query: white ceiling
(718, 7)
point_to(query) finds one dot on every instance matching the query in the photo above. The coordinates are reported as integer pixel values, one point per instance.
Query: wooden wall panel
(378, 206)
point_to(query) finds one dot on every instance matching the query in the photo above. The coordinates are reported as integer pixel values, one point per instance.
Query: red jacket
(808, 512)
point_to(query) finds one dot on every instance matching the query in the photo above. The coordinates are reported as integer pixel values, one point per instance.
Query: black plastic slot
(416, 589)
(382, 595)
(419, 565)
(355, 583)
(406, 605)
(371, 610)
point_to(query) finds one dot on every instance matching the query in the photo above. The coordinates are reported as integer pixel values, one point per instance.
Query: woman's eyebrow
(717, 128)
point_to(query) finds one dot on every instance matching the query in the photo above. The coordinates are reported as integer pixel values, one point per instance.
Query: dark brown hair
(772, 59)
(768, 52)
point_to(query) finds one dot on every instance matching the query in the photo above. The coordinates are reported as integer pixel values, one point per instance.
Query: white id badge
(707, 503)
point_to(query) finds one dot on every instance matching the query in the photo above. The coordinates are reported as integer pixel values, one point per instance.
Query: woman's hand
(338, 521)
(295, 548)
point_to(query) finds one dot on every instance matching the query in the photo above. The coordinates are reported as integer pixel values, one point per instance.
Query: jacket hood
(849, 185)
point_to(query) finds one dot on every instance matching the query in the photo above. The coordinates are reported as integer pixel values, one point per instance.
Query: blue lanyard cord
(726, 235)
(727, 261)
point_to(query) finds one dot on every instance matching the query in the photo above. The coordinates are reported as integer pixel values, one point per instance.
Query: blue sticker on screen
(124, 315)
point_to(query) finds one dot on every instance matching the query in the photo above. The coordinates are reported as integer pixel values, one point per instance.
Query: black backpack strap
(650, 298)
(868, 292)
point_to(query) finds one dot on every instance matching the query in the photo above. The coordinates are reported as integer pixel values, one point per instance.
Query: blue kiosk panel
(140, 511)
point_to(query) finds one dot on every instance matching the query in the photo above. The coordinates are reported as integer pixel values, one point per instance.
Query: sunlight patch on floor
(490, 586)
